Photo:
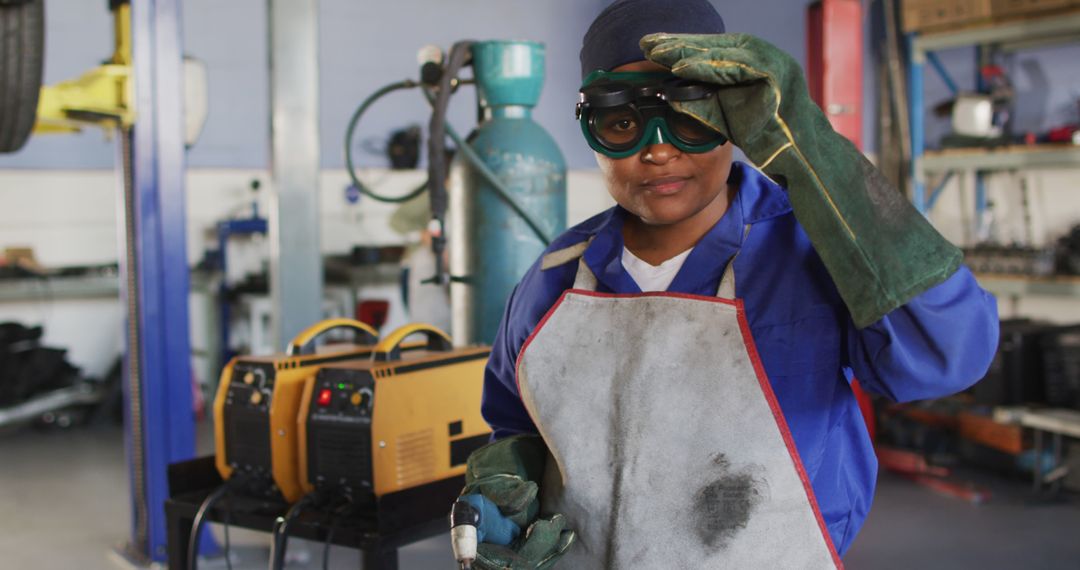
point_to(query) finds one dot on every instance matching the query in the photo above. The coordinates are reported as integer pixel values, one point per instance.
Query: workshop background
(988, 478)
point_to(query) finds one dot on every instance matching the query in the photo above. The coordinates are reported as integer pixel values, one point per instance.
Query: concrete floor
(63, 496)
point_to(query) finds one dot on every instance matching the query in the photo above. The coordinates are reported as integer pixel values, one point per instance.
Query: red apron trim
(759, 371)
(781, 422)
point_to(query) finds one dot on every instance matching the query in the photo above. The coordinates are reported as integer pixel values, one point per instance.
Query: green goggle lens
(621, 113)
(690, 130)
(619, 132)
(618, 129)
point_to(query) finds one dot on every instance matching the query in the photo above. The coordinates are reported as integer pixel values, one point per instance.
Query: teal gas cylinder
(498, 245)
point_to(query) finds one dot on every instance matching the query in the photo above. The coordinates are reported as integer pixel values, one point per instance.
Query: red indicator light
(324, 397)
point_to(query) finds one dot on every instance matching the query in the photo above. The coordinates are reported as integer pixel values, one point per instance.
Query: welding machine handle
(389, 348)
(304, 343)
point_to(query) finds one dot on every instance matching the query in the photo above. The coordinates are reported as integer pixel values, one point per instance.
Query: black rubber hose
(280, 534)
(436, 160)
(437, 166)
(335, 518)
(355, 120)
(197, 525)
(460, 53)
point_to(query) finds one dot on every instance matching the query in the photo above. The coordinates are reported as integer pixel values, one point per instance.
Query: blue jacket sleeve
(502, 407)
(939, 343)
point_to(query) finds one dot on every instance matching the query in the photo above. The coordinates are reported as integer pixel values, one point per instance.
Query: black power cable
(467, 151)
(353, 121)
(280, 534)
(225, 523)
(198, 523)
(336, 516)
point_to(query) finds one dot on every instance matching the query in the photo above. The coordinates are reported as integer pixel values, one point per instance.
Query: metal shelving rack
(1012, 286)
(1054, 29)
(56, 288)
(1006, 36)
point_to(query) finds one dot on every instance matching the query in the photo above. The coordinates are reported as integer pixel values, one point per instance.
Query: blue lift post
(159, 420)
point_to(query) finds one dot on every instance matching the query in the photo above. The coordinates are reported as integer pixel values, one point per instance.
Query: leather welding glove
(506, 473)
(878, 249)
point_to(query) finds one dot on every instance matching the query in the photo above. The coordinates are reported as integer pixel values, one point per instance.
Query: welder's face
(661, 184)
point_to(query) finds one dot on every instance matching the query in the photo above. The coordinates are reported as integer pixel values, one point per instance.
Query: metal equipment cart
(377, 531)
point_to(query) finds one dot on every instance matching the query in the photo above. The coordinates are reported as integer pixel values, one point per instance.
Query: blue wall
(1046, 83)
(363, 45)
(367, 44)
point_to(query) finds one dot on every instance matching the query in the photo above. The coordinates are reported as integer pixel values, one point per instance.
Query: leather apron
(668, 448)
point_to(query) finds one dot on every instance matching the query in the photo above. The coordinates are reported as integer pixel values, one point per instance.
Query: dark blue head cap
(612, 39)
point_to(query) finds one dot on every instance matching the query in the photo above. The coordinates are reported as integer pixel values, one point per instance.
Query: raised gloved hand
(506, 472)
(878, 249)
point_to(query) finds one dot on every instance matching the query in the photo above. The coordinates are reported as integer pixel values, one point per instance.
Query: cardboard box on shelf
(921, 15)
(1011, 8)
(932, 15)
(21, 256)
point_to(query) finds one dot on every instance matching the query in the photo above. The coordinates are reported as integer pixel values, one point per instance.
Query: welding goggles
(622, 112)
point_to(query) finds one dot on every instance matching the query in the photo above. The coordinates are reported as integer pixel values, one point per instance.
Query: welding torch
(464, 520)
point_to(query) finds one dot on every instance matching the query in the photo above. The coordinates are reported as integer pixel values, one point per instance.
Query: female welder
(670, 386)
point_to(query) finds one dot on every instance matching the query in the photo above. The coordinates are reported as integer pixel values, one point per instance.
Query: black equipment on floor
(1036, 363)
(1016, 373)
(27, 368)
(1061, 367)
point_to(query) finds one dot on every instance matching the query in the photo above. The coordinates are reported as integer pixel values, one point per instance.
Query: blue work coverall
(939, 343)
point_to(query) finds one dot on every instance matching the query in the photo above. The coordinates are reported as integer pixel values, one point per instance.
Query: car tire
(22, 55)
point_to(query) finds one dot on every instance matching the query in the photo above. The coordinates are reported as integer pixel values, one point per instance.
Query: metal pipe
(915, 122)
(936, 193)
(939, 67)
(296, 276)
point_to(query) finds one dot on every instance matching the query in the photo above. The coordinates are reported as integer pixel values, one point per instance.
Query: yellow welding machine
(258, 399)
(395, 429)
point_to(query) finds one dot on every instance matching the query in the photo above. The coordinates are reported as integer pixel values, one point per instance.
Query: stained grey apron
(668, 447)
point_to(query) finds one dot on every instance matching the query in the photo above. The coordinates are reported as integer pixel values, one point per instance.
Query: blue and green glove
(878, 249)
(501, 483)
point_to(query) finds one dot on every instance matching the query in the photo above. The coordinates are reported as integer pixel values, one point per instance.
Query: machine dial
(361, 399)
(260, 377)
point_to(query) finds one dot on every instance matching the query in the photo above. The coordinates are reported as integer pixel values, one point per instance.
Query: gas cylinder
(491, 245)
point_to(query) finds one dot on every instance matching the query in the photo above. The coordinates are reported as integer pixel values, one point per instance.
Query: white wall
(69, 218)
(362, 46)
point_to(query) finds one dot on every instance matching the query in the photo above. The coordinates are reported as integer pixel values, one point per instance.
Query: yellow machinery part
(321, 327)
(302, 438)
(416, 395)
(387, 347)
(290, 375)
(410, 442)
(288, 391)
(103, 96)
(223, 467)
